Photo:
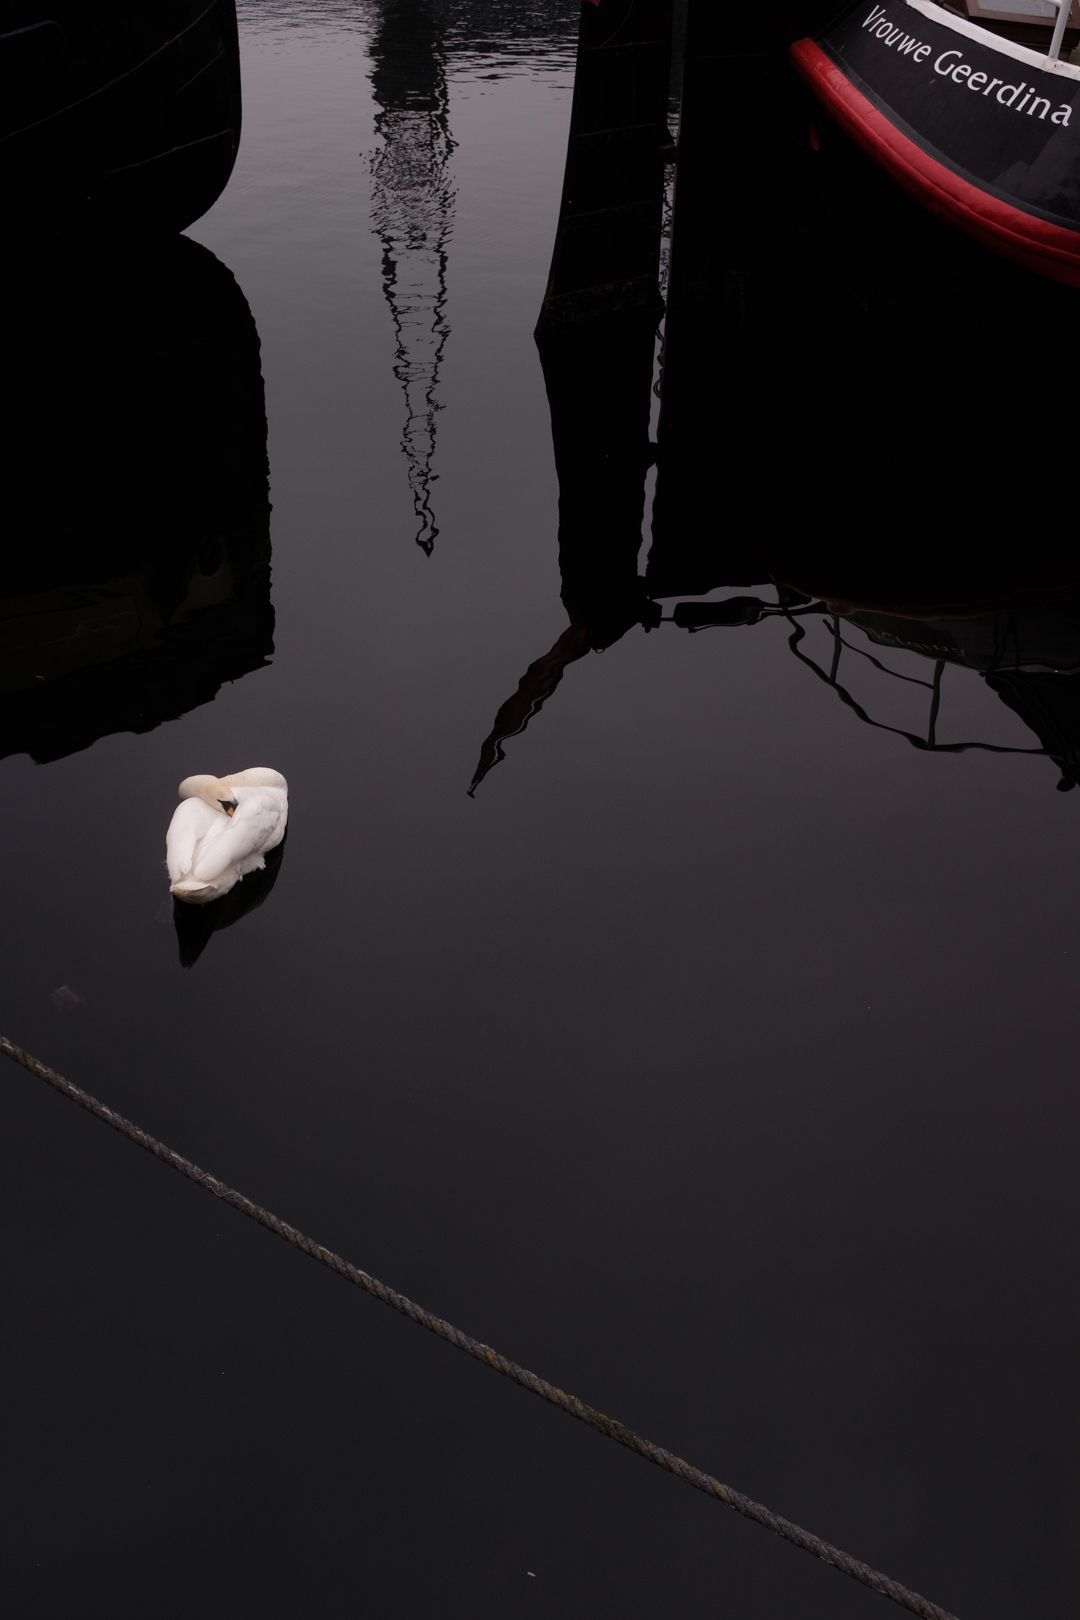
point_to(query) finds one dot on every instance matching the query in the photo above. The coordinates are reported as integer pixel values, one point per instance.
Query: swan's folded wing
(192, 821)
(242, 835)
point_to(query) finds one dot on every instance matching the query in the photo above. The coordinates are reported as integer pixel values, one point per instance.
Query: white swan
(221, 829)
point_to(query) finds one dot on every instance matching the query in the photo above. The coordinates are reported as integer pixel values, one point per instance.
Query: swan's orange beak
(228, 805)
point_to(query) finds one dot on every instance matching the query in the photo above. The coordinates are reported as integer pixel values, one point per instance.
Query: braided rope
(793, 1533)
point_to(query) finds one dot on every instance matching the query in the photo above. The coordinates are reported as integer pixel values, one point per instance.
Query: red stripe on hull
(1051, 250)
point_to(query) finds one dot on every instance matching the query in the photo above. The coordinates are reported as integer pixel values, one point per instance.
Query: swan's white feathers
(254, 826)
(207, 851)
(194, 822)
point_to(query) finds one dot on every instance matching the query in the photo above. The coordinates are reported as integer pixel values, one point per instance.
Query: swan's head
(211, 789)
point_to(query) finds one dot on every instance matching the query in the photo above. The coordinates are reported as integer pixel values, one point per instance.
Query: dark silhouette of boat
(792, 486)
(123, 114)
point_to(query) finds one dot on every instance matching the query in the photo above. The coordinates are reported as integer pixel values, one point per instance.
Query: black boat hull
(984, 133)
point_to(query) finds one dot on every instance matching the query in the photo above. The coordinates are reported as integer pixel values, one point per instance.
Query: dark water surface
(715, 1059)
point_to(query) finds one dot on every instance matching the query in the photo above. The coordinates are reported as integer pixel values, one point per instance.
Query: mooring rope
(793, 1533)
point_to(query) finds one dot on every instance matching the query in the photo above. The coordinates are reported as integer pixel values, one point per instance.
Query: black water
(715, 1058)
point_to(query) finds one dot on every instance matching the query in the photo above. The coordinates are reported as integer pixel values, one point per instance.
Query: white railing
(1064, 8)
(1025, 11)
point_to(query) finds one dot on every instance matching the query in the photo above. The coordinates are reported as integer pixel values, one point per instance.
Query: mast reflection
(412, 212)
(137, 577)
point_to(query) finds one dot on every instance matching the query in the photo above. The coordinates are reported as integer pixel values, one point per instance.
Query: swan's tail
(192, 889)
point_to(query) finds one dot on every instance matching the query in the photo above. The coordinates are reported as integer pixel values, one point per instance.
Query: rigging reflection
(1017, 627)
(137, 577)
(1012, 620)
(1010, 616)
(412, 212)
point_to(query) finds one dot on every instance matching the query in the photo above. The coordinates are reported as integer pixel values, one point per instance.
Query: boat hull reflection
(137, 577)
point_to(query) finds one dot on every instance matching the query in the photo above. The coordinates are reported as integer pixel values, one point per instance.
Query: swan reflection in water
(195, 925)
